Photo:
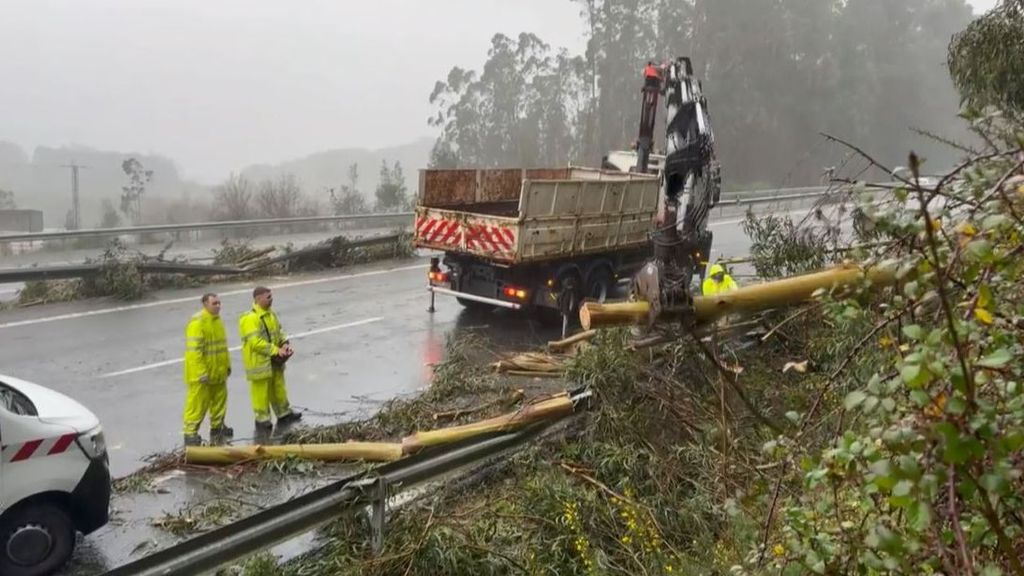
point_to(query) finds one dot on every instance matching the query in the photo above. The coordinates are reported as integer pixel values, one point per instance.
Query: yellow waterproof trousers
(201, 398)
(269, 393)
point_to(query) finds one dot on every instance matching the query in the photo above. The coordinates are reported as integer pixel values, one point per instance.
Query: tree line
(777, 73)
(239, 198)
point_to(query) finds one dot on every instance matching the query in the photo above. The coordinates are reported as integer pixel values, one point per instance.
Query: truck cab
(54, 477)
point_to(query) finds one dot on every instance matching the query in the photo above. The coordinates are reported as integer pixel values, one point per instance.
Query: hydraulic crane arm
(690, 187)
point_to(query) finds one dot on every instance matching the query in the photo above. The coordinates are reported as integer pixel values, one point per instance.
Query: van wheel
(35, 540)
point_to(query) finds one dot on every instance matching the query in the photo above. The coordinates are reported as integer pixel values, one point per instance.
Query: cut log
(774, 294)
(348, 451)
(530, 362)
(563, 345)
(594, 315)
(555, 407)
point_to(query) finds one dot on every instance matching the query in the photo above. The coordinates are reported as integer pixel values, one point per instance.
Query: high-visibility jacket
(710, 287)
(206, 349)
(651, 72)
(262, 337)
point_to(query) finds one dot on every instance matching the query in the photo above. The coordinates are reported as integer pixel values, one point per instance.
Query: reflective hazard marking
(38, 448)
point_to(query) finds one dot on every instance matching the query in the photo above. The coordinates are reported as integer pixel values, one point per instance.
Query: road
(362, 336)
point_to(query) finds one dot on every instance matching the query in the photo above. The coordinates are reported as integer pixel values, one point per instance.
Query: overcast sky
(217, 85)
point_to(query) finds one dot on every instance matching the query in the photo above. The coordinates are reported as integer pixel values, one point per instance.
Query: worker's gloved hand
(204, 379)
(229, 371)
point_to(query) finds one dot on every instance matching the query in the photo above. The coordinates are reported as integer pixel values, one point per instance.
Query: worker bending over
(265, 349)
(718, 281)
(207, 367)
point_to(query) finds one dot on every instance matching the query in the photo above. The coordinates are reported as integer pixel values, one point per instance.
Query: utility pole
(76, 206)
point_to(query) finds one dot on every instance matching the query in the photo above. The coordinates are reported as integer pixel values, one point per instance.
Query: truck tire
(35, 540)
(599, 284)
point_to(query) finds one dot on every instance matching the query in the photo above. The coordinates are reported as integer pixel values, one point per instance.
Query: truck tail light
(513, 292)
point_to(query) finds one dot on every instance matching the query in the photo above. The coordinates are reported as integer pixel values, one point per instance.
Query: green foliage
(923, 474)
(987, 59)
(779, 247)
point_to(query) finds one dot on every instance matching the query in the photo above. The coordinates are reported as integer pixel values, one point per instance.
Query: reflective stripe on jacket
(206, 349)
(262, 336)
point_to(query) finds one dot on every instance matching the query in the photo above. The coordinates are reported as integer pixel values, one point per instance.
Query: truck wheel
(35, 540)
(599, 285)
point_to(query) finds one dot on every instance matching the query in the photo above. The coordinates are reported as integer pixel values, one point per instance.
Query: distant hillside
(329, 169)
(42, 181)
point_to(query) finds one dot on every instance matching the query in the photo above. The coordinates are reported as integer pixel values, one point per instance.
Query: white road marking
(154, 365)
(87, 313)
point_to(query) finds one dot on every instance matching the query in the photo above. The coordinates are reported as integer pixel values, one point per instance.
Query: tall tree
(349, 200)
(135, 189)
(391, 191)
(987, 59)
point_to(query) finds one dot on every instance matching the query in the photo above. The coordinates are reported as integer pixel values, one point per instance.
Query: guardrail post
(379, 516)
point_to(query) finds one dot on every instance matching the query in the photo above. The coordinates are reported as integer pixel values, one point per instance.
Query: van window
(15, 402)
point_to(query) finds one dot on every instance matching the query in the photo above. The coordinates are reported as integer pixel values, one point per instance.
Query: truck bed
(513, 216)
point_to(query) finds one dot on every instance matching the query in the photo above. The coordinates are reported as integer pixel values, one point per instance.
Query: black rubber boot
(193, 440)
(289, 418)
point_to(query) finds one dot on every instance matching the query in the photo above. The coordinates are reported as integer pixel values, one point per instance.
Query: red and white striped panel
(37, 448)
(439, 231)
(495, 240)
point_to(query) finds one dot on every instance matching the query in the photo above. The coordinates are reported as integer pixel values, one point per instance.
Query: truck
(539, 239)
(547, 238)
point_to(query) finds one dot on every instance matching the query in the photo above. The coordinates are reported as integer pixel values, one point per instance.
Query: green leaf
(956, 405)
(902, 488)
(920, 397)
(997, 359)
(854, 399)
(919, 515)
(914, 332)
(994, 483)
(991, 571)
(793, 417)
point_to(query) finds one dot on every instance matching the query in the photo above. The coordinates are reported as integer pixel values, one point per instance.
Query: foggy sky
(220, 85)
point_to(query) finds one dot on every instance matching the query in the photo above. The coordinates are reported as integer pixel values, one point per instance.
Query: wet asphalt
(363, 336)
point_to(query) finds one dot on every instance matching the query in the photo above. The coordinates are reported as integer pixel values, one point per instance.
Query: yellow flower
(779, 551)
(668, 568)
(983, 316)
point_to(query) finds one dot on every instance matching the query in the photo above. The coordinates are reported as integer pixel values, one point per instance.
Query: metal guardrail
(214, 549)
(731, 198)
(61, 271)
(107, 232)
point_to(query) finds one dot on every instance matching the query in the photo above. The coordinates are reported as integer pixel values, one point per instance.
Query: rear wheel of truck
(599, 284)
(35, 539)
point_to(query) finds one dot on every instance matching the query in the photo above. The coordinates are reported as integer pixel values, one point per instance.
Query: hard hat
(716, 269)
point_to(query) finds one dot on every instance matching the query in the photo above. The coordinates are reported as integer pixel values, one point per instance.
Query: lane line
(155, 365)
(87, 313)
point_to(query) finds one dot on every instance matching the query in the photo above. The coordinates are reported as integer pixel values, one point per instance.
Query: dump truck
(539, 239)
(550, 238)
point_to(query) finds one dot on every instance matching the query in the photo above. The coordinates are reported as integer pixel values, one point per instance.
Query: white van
(54, 477)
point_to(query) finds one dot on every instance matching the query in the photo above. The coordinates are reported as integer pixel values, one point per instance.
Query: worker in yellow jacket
(718, 281)
(207, 367)
(265, 349)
